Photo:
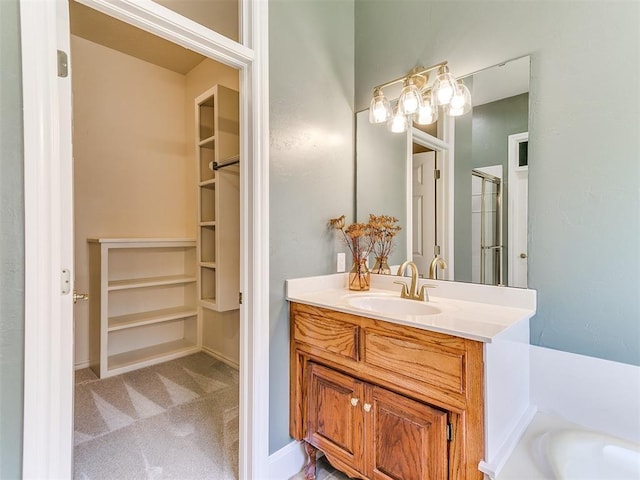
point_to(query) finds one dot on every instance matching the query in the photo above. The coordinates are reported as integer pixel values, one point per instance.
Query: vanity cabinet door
(335, 415)
(408, 438)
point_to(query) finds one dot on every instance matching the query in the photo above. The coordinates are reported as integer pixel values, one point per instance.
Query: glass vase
(381, 266)
(359, 276)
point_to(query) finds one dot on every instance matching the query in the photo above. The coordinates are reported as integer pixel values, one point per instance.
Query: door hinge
(65, 281)
(436, 174)
(63, 64)
(449, 432)
(240, 298)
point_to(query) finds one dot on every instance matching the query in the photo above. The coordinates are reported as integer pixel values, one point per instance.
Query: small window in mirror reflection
(523, 157)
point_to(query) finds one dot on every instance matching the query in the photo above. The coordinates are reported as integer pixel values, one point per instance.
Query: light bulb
(428, 113)
(457, 101)
(444, 87)
(461, 101)
(410, 99)
(379, 109)
(398, 122)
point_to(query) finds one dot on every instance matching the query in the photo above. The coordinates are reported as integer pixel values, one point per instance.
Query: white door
(423, 209)
(518, 211)
(48, 389)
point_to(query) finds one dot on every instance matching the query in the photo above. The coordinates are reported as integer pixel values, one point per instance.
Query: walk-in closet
(156, 147)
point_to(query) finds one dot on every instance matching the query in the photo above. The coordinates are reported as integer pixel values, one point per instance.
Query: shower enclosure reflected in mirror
(459, 187)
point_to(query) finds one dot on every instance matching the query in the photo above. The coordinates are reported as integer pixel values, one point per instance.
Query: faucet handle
(423, 295)
(404, 293)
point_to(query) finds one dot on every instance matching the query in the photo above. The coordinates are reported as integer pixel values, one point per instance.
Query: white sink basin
(390, 305)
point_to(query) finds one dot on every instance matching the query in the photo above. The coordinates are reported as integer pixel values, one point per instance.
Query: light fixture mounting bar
(415, 72)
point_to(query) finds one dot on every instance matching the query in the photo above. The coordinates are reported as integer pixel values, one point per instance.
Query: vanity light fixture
(380, 109)
(420, 98)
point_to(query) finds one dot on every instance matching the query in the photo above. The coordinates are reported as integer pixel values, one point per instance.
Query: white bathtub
(581, 455)
(554, 449)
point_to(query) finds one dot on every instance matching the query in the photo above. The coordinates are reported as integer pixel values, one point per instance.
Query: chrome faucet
(412, 291)
(433, 268)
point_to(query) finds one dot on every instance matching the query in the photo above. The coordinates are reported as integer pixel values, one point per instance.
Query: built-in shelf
(142, 302)
(207, 183)
(208, 303)
(142, 357)
(150, 282)
(147, 318)
(217, 142)
(207, 141)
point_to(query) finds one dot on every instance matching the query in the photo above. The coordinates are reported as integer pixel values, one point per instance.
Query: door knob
(354, 402)
(523, 255)
(367, 407)
(79, 296)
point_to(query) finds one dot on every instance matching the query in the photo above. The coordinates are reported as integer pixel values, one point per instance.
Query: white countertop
(468, 311)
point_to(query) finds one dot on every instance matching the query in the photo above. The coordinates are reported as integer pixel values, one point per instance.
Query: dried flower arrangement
(383, 228)
(356, 236)
(376, 236)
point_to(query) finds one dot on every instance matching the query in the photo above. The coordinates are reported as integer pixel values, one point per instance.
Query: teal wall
(11, 244)
(462, 235)
(584, 205)
(381, 177)
(311, 118)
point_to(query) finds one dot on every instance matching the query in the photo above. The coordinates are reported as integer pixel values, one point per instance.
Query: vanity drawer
(324, 332)
(416, 356)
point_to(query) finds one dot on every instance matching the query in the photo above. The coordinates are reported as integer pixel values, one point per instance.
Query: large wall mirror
(459, 186)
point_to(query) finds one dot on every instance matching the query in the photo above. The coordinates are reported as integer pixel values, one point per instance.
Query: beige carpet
(175, 420)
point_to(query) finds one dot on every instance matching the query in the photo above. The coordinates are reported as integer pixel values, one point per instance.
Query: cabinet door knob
(367, 407)
(354, 402)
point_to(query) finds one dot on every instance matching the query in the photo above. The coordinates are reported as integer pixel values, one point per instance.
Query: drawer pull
(354, 402)
(367, 407)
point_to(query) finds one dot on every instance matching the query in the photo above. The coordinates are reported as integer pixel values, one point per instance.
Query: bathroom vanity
(398, 396)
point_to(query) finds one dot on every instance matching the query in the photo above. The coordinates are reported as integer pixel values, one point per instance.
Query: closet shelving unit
(218, 241)
(143, 307)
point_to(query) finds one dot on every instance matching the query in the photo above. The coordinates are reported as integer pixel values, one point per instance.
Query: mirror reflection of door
(424, 209)
(518, 182)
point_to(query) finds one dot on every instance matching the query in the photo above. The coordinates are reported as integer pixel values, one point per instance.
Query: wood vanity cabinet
(384, 401)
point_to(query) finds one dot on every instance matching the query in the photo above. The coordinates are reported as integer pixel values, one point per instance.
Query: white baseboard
(222, 358)
(81, 365)
(208, 351)
(493, 468)
(287, 461)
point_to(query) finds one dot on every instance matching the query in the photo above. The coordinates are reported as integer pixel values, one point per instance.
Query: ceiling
(102, 29)
(502, 81)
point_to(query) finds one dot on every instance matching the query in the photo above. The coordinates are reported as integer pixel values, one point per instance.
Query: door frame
(445, 220)
(48, 374)
(517, 180)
